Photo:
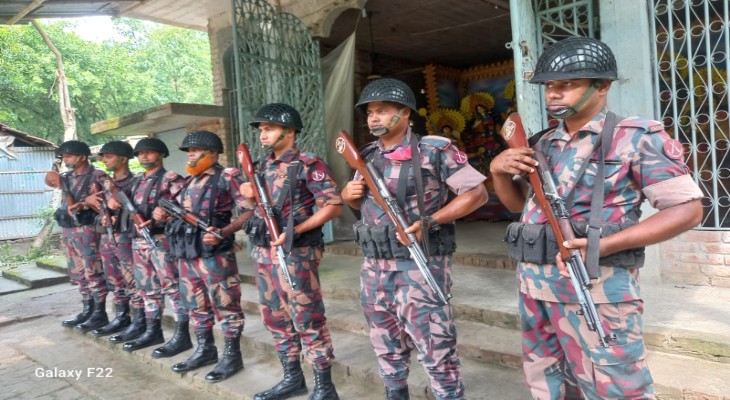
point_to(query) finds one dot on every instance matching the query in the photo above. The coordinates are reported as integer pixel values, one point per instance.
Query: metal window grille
(559, 19)
(691, 74)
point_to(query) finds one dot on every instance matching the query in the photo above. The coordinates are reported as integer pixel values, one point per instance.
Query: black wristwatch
(433, 226)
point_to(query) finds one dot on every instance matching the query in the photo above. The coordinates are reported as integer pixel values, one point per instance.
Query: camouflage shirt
(643, 162)
(227, 197)
(314, 187)
(438, 157)
(155, 186)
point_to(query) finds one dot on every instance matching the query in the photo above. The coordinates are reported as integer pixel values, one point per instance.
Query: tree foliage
(151, 65)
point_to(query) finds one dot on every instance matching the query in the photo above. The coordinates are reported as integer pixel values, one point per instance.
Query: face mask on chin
(197, 167)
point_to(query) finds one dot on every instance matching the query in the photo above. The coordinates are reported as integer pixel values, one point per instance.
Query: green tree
(153, 65)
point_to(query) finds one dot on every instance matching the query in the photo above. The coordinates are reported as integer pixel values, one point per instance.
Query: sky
(95, 29)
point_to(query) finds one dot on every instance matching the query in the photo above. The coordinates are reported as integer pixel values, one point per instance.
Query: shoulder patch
(436, 141)
(647, 125)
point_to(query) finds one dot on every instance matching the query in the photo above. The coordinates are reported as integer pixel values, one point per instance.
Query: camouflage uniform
(81, 243)
(155, 272)
(296, 316)
(210, 285)
(117, 259)
(400, 307)
(561, 357)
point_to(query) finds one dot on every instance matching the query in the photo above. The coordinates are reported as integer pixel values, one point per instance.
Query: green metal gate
(276, 60)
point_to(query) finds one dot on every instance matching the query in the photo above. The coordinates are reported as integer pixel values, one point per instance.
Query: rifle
(263, 200)
(558, 215)
(187, 216)
(137, 218)
(387, 202)
(107, 183)
(69, 199)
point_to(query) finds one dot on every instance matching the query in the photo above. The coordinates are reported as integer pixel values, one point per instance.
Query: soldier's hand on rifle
(580, 244)
(78, 206)
(517, 161)
(142, 225)
(354, 190)
(280, 241)
(415, 229)
(247, 190)
(160, 215)
(94, 200)
(209, 238)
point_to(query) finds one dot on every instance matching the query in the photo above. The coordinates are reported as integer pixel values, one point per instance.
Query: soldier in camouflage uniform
(116, 257)
(155, 271)
(209, 280)
(297, 182)
(80, 238)
(400, 307)
(561, 357)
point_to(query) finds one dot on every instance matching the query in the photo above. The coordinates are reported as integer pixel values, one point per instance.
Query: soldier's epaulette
(171, 175)
(308, 158)
(437, 141)
(647, 125)
(231, 171)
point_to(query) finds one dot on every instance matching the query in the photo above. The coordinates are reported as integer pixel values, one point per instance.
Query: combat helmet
(152, 144)
(202, 140)
(386, 89)
(117, 147)
(73, 147)
(278, 113)
(576, 58)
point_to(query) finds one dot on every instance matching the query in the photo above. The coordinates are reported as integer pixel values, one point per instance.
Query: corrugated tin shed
(24, 160)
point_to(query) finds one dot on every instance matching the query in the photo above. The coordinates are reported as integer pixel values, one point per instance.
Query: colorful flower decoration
(446, 116)
(470, 102)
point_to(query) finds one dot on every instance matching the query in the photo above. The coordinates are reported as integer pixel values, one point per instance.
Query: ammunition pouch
(380, 241)
(85, 217)
(536, 243)
(186, 241)
(258, 233)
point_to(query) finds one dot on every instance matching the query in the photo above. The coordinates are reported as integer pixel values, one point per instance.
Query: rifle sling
(416, 155)
(292, 175)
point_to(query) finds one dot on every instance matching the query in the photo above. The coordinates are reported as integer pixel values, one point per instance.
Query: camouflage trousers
(119, 269)
(156, 275)
(83, 262)
(562, 359)
(295, 317)
(211, 288)
(402, 313)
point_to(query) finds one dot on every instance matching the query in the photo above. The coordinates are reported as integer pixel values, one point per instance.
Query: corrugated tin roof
(30, 139)
(192, 14)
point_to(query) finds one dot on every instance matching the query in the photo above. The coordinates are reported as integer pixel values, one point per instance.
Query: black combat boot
(121, 320)
(179, 342)
(81, 317)
(205, 354)
(133, 331)
(231, 362)
(97, 320)
(396, 394)
(293, 383)
(324, 389)
(152, 335)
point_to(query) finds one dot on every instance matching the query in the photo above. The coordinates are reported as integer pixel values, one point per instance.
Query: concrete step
(53, 263)
(355, 370)
(33, 277)
(8, 286)
(486, 296)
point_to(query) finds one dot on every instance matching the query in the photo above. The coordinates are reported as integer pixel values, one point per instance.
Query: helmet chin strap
(383, 130)
(569, 111)
(270, 148)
